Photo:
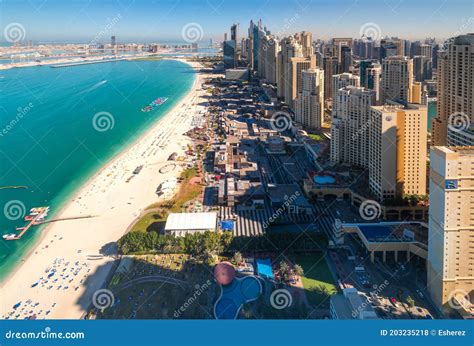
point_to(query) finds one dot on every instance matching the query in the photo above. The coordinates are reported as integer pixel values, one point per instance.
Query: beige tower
(397, 151)
(294, 84)
(350, 125)
(290, 48)
(455, 84)
(309, 105)
(450, 262)
(397, 79)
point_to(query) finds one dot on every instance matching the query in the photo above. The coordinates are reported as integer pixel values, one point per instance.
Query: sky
(165, 20)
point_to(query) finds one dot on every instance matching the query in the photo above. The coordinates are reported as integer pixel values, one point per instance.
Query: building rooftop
(191, 221)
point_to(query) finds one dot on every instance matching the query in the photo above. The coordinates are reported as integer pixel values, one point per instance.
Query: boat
(10, 236)
(155, 103)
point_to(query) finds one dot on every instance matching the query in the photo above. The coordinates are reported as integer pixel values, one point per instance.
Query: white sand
(79, 242)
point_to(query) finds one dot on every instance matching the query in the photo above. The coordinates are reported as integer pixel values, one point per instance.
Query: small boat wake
(156, 103)
(92, 88)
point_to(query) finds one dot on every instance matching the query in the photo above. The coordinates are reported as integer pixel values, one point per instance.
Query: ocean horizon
(59, 126)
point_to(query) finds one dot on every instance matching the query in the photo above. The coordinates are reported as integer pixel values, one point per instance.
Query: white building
(451, 226)
(309, 105)
(180, 224)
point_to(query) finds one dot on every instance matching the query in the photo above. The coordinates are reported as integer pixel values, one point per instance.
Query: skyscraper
(330, 66)
(290, 48)
(229, 54)
(350, 125)
(342, 80)
(112, 41)
(309, 105)
(370, 73)
(397, 151)
(294, 84)
(397, 79)
(455, 89)
(451, 234)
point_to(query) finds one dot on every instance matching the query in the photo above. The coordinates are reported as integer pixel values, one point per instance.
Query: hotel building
(349, 128)
(397, 151)
(450, 264)
(455, 86)
(309, 105)
(397, 79)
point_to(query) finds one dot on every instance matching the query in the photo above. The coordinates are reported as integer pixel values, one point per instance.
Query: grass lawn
(152, 221)
(317, 281)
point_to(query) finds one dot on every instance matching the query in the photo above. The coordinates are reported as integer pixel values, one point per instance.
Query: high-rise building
(397, 79)
(342, 80)
(345, 59)
(309, 105)
(233, 32)
(294, 84)
(306, 40)
(113, 42)
(350, 122)
(270, 54)
(290, 48)
(370, 73)
(229, 54)
(455, 87)
(422, 68)
(397, 151)
(451, 228)
(330, 66)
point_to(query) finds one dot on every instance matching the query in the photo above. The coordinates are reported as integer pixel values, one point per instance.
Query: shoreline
(156, 129)
(77, 192)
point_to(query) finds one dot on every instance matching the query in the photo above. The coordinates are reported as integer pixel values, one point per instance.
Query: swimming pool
(324, 179)
(234, 295)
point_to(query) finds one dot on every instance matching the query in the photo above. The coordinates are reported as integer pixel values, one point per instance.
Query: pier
(40, 214)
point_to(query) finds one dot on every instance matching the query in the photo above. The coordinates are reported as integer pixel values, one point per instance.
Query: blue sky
(163, 20)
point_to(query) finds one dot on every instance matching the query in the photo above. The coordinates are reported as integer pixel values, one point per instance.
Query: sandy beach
(80, 251)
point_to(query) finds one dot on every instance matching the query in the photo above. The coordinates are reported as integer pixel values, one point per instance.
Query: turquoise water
(432, 113)
(48, 141)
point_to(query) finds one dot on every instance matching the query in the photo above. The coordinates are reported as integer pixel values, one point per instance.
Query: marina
(36, 216)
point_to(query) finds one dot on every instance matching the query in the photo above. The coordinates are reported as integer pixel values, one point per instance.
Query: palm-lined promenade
(116, 200)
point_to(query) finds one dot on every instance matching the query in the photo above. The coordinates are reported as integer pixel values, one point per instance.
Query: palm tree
(237, 259)
(298, 270)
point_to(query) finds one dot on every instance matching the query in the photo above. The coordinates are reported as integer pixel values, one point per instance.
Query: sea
(59, 126)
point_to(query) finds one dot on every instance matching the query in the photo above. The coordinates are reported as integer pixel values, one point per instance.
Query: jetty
(36, 215)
